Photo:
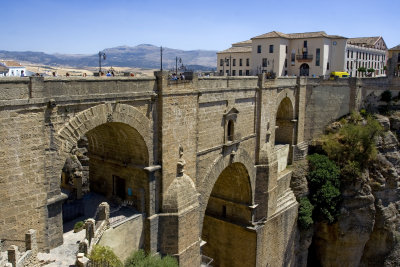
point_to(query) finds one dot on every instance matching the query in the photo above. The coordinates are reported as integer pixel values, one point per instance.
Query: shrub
(324, 183)
(354, 142)
(105, 256)
(140, 259)
(386, 96)
(78, 225)
(305, 220)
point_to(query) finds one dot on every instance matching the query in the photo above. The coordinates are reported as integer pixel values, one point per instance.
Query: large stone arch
(289, 93)
(66, 138)
(86, 120)
(211, 177)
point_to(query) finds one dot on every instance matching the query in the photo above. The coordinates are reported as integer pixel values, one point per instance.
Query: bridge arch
(220, 164)
(285, 125)
(227, 210)
(118, 140)
(95, 116)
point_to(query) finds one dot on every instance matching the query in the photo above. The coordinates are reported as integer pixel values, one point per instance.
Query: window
(223, 211)
(247, 62)
(221, 62)
(227, 72)
(305, 44)
(398, 57)
(293, 57)
(233, 72)
(271, 48)
(348, 53)
(247, 72)
(240, 62)
(347, 65)
(221, 73)
(286, 50)
(240, 73)
(285, 62)
(234, 62)
(318, 57)
(352, 54)
(230, 130)
(327, 66)
(227, 62)
(264, 62)
(258, 49)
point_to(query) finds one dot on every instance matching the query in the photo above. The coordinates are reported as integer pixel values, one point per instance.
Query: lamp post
(161, 50)
(101, 55)
(176, 64)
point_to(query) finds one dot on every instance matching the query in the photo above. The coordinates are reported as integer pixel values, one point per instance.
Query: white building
(14, 68)
(304, 54)
(366, 52)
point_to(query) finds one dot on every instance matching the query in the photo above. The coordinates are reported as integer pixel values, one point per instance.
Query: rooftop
(237, 49)
(397, 47)
(243, 43)
(276, 34)
(10, 63)
(364, 40)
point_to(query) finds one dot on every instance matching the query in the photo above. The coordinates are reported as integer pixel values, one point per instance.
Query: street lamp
(161, 50)
(101, 55)
(176, 64)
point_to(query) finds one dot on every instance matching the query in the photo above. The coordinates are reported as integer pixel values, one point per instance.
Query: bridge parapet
(39, 87)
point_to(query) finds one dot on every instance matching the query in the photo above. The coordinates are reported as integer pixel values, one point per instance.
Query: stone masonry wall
(43, 118)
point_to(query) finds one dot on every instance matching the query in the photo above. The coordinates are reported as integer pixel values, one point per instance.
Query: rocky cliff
(367, 230)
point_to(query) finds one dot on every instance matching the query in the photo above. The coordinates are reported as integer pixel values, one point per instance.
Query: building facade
(235, 61)
(14, 68)
(394, 59)
(305, 54)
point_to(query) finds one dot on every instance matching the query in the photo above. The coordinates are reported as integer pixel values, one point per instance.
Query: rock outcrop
(368, 228)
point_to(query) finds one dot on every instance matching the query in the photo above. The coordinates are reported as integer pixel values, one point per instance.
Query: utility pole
(161, 50)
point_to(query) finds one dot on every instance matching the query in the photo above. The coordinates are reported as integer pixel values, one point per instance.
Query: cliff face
(367, 230)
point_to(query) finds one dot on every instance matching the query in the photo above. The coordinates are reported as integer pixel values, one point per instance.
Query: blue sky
(79, 26)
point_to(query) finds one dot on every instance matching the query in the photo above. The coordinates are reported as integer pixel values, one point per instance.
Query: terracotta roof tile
(275, 34)
(10, 63)
(243, 43)
(397, 47)
(363, 40)
(237, 49)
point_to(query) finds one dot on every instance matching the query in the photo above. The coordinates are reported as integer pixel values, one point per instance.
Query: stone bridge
(204, 160)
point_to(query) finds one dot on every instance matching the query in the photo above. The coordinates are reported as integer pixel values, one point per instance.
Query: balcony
(304, 58)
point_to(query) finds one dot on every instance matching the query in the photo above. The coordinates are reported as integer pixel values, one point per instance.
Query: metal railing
(206, 261)
(304, 57)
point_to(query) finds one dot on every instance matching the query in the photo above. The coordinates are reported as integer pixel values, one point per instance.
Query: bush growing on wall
(140, 259)
(305, 213)
(354, 142)
(103, 255)
(324, 184)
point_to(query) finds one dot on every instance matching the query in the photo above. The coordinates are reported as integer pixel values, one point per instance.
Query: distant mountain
(140, 56)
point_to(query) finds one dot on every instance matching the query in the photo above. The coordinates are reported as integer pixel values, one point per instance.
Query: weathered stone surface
(133, 125)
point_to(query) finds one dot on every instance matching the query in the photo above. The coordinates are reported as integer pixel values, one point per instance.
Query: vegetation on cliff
(324, 184)
(350, 147)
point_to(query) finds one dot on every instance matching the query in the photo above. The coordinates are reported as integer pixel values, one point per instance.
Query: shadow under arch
(226, 214)
(213, 173)
(105, 125)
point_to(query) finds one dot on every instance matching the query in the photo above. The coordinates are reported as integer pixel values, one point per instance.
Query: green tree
(324, 183)
(305, 220)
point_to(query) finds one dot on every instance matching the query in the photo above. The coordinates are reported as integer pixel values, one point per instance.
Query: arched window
(230, 130)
